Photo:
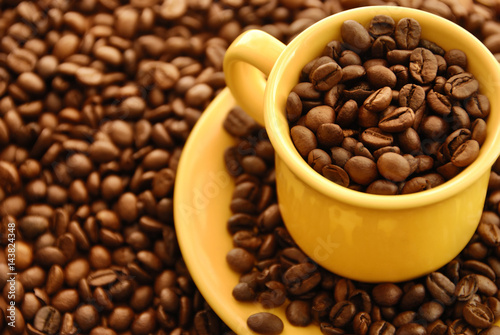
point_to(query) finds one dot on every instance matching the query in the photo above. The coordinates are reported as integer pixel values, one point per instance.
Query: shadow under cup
(378, 238)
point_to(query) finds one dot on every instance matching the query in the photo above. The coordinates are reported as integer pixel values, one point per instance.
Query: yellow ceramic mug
(362, 236)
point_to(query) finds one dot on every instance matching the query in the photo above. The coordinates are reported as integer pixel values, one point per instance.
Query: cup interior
(310, 44)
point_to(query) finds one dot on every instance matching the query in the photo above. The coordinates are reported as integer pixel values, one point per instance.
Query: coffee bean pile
(387, 112)
(460, 298)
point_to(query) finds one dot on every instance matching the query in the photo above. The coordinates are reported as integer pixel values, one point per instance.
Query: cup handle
(247, 63)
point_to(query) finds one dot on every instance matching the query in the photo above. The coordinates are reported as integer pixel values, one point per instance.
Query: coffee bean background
(97, 98)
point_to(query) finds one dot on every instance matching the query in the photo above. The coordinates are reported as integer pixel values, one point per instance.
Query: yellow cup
(372, 238)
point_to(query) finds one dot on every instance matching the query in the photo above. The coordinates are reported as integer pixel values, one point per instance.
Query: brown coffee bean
(398, 120)
(387, 294)
(416, 184)
(379, 100)
(361, 170)
(456, 57)
(380, 76)
(440, 287)
(411, 328)
(240, 260)
(478, 315)
(461, 86)
(374, 138)
(55, 279)
(325, 76)
(298, 313)
(76, 270)
(393, 166)
(342, 313)
(301, 278)
(47, 320)
(303, 139)
(423, 65)
(86, 317)
(478, 106)
(354, 34)
(265, 323)
(381, 25)
(21, 60)
(120, 318)
(465, 154)
(102, 277)
(407, 33)
(65, 300)
(381, 327)
(346, 113)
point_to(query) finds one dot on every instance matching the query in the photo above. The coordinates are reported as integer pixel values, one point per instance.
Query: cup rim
(274, 121)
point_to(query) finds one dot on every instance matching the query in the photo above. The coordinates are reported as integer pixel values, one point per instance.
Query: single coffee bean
(478, 315)
(354, 34)
(326, 76)
(301, 278)
(461, 86)
(381, 25)
(240, 260)
(65, 300)
(361, 170)
(379, 100)
(423, 65)
(440, 287)
(265, 323)
(387, 294)
(47, 320)
(407, 33)
(303, 139)
(380, 76)
(342, 313)
(478, 106)
(102, 277)
(466, 287)
(381, 327)
(298, 313)
(465, 154)
(398, 120)
(361, 323)
(86, 317)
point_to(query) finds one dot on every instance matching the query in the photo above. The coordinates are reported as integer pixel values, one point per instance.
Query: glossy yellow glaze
(366, 237)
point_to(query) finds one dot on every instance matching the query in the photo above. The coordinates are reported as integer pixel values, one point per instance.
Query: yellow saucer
(203, 191)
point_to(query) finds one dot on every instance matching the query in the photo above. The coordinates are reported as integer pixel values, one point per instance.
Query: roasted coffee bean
(461, 86)
(298, 313)
(304, 139)
(407, 33)
(381, 327)
(361, 170)
(342, 313)
(478, 315)
(466, 287)
(47, 320)
(240, 260)
(386, 294)
(87, 317)
(326, 76)
(423, 65)
(440, 287)
(265, 323)
(379, 100)
(361, 323)
(355, 35)
(381, 25)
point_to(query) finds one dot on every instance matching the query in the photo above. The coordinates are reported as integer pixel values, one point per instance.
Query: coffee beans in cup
(386, 112)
